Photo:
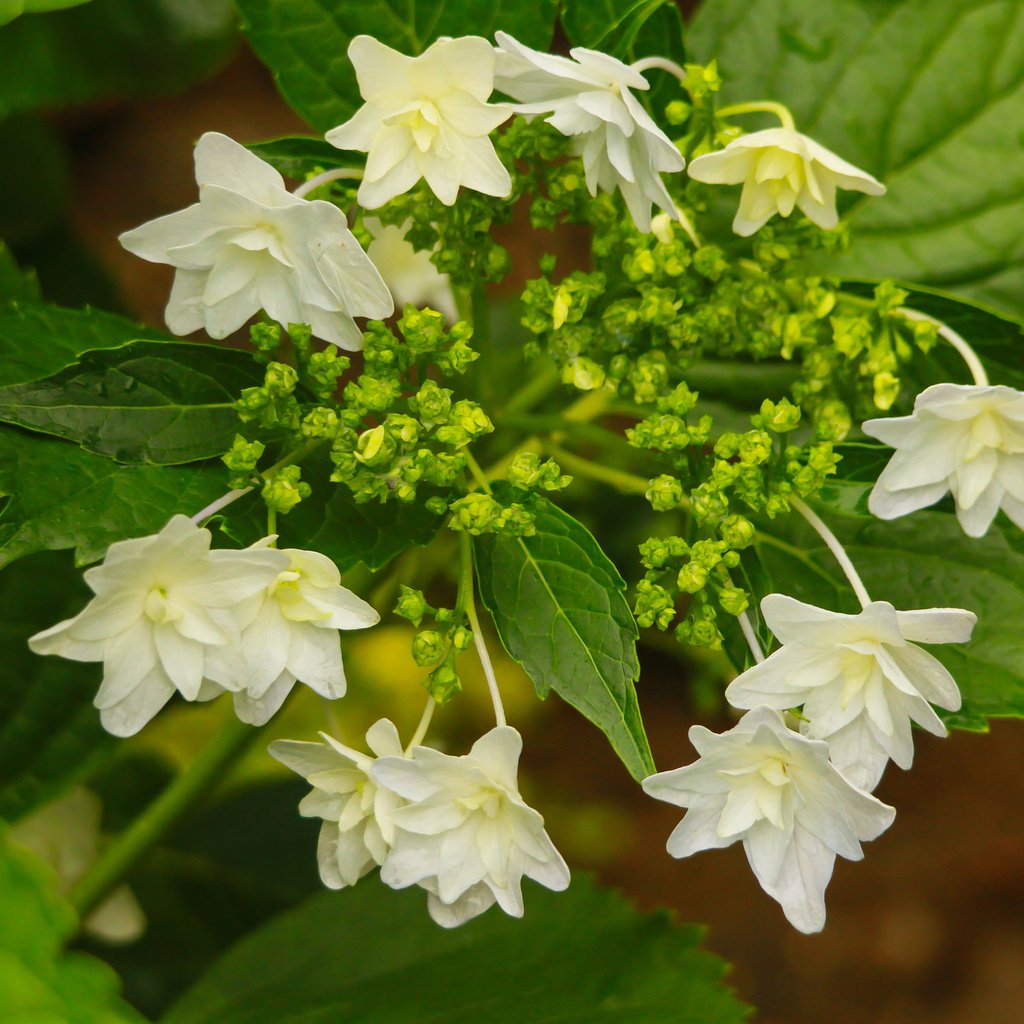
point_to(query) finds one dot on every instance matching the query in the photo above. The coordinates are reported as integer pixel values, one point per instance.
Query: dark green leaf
(580, 957)
(155, 402)
(35, 173)
(305, 42)
(110, 48)
(559, 607)
(298, 156)
(60, 496)
(15, 284)
(921, 93)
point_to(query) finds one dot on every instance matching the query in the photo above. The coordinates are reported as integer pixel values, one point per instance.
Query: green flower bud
(411, 605)
(376, 447)
(692, 577)
(242, 459)
(265, 338)
(428, 647)
(320, 423)
(584, 374)
(431, 403)
(475, 513)
(461, 638)
(780, 417)
(733, 600)
(285, 489)
(665, 493)
(654, 605)
(443, 683)
(737, 532)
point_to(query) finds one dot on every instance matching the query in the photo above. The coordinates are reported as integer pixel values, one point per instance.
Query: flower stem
(970, 357)
(352, 173)
(160, 816)
(477, 473)
(661, 64)
(424, 724)
(837, 549)
(625, 483)
(535, 390)
(467, 602)
(761, 107)
(222, 502)
(747, 629)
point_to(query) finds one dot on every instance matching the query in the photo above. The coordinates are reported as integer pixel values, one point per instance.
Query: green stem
(535, 390)
(626, 483)
(467, 602)
(482, 479)
(557, 426)
(760, 107)
(195, 782)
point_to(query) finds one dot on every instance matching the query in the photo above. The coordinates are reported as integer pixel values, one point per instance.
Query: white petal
(222, 161)
(259, 711)
(305, 758)
(129, 715)
(800, 887)
(314, 658)
(937, 625)
(182, 659)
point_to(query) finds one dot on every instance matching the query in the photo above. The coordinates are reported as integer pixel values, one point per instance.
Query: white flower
(66, 835)
(357, 830)
(162, 604)
(425, 117)
(589, 99)
(780, 168)
(860, 679)
(466, 836)
(964, 439)
(292, 634)
(778, 792)
(410, 274)
(249, 244)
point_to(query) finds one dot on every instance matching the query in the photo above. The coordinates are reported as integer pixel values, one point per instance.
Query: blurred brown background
(928, 928)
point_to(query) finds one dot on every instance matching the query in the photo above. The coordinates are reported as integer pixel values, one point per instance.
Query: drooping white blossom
(292, 635)
(780, 169)
(425, 117)
(410, 274)
(589, 98)
(66, 835)
(357, 829)
(465, 835)
(777, 791)
(861, 678)
(250, 245)
(964, 439)
(163, 603)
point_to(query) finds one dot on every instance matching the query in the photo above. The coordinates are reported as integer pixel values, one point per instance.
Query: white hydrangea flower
(249, 244)
(66, 835)
(589, 99)
(410, 274)
(964, 439)
(465, 835)
(292, 635)
(777, 792)
(162, 604)
(357, 829)
(780, 169)
(860, 678)
(425, 117)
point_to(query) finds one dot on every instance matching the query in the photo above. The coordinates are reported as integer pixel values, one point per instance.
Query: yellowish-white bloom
(163, 603)
(292, 635)
(589, 98)
(410, 274)
(66, 835)
(425, 117)
(860, 678)
(778, 792)
(357, 829)
(780, 169)
(465, 835)
(249, 244)
(963, 439)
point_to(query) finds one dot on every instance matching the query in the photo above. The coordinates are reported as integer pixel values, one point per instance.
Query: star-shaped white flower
(357, 829)
(466, 836)
(589, 99)
(410, 274)
(250, 245)
(162, 604)
(292, 636)
(780, 169)
(964, 439)
(777, 792)
(860, 678)
(425, 117)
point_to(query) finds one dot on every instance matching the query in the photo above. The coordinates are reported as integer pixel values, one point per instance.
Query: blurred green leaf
(15, 284)
(297, 156)
(580, 957)
(11, 9)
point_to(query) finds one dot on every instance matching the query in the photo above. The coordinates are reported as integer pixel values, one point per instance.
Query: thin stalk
(837, 549)
(747, 628)
(970, 357)
(535, 390)
(479, 476)
(222, 502)
(660, 64)
(625, 483)
(424, 724)
(466, 596)
(760, 107)
(351, 173)
(195, 782)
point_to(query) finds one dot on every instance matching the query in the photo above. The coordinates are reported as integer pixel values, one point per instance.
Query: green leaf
(305, 42)
(11, 9)
(109, 48)
(37, 340)
(15, 284)
(40, 982)
(50, 734)
(60, 496)
(559, 607)
(920, 93)
(580, 957)
(297, 156)
(155, 402)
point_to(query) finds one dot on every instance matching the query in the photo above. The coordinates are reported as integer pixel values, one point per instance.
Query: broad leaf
(11, 9)
(155, 402)
(297, 156)
(559, 608)
(15, 284)
(50, 733)
(109, 48)
(579, 957)
(918, 92)
(305, 42)
(41, 983)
